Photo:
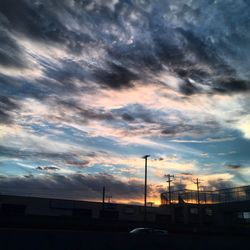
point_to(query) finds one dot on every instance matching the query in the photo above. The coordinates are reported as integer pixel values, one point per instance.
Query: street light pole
(145, 187)
(103, 197)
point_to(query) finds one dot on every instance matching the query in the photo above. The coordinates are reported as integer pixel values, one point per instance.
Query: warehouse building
(223, 208)
(227, 208)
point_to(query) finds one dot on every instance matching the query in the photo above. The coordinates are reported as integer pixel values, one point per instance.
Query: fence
(207, 197)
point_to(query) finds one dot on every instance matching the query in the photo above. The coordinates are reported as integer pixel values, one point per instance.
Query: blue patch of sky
(173, 148)
(13, 168)
(76, 136)
(232, 151)
(115, 169)
(99, 168)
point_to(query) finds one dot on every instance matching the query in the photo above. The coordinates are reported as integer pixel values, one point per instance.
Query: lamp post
(145, 187)
(103, 197)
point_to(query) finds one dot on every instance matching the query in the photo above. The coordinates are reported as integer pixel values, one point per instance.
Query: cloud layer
(87, 87)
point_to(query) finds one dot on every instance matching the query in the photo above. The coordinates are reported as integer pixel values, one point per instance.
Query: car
(145, 230)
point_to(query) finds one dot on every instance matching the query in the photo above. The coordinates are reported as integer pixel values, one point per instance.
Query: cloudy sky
(89, 87)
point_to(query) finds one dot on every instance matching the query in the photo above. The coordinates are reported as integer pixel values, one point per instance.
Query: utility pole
(109, 198)
(169, 180)
(103, 197)
(145, 187)
(197, 182)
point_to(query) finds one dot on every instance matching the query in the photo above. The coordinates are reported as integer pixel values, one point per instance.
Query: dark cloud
(154, 121)
(186, 174)
(65, 73)
(127, 117)
(238, 171)
(74, 186)
(11, 54)
(81, 164)
(219, 184)
(7, 106)
(37, 20)
(235, 167)
(179, 186)
(232, 85)
(46, 168)
(204, 52)
(13, 152)
(137, 113)
(81, 113)
(178, 41)
(115, 76)
(158, 189)
(203, 44)
(189, 88)
(189, 128)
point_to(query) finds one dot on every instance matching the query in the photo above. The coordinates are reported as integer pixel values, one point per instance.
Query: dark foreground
(55, 239)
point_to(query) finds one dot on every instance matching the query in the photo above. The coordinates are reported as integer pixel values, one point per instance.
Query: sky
(89, 87)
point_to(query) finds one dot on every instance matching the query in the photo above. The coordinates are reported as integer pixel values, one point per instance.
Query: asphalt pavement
(29, 239)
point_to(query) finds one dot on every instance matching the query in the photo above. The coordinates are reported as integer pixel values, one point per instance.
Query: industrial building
(186, 210)
(218, 208)
(39, 211)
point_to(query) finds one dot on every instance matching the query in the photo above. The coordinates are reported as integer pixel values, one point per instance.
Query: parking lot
(29, 239)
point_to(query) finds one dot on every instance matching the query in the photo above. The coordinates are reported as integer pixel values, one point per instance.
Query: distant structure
(224, 209)
(207, 197)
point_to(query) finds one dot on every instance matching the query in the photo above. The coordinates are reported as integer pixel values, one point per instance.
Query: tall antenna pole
(197, 182)
(145, 187)
(103, 197)
(169, 180)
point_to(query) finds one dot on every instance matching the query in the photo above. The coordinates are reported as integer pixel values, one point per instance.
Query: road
(29, 239)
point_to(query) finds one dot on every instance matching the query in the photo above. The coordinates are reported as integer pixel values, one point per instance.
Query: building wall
(221, 215)
(234, 214)
(56, 207)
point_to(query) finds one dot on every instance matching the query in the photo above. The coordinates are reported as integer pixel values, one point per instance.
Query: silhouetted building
(207, 197)
(227, 208)
(222, 208)
(36, 210)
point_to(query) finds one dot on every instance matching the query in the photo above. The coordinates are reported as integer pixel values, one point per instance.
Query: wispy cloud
(86, 84)
(207, 140)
